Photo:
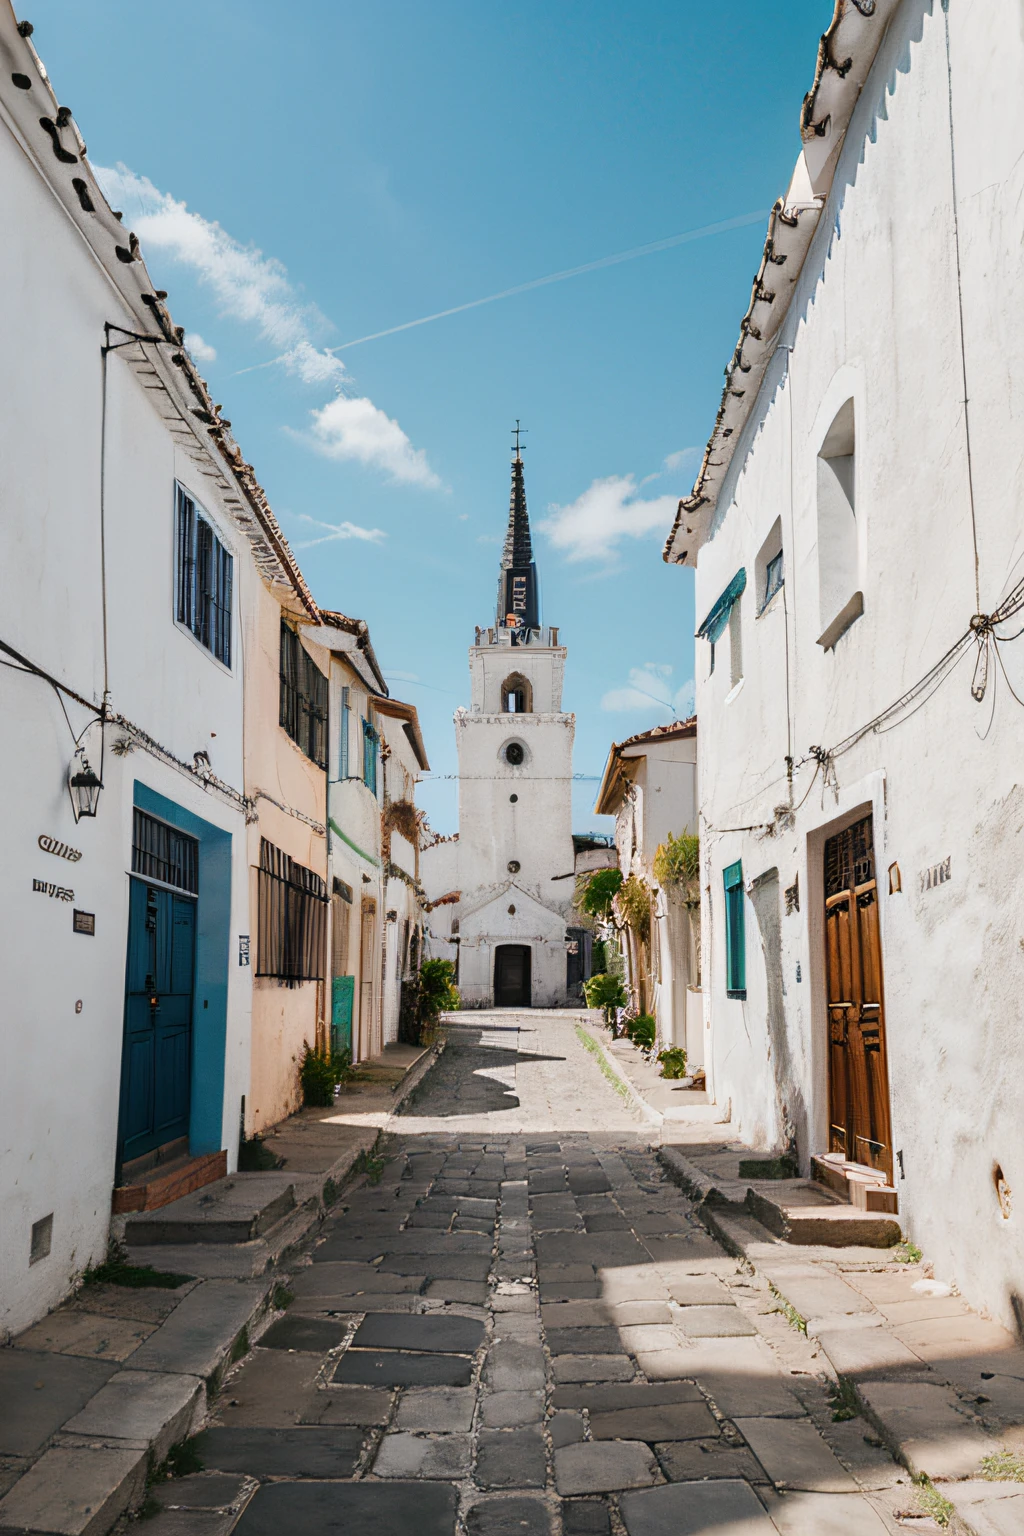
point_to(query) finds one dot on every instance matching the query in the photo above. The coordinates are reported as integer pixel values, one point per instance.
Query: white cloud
(254, 289)
(356, 429)
(682, 459)
(592, 527)
(200, 349)
(335, 531)
(650, 691)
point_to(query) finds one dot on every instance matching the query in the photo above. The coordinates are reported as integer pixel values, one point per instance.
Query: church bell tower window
(514, 753)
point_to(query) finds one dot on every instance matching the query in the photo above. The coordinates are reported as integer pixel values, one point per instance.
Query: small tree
(596, 894)
(607, 993)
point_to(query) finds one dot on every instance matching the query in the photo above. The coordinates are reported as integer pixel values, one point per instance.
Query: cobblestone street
(521, 1330)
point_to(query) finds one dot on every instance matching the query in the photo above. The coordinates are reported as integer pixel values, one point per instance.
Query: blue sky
(302, 177)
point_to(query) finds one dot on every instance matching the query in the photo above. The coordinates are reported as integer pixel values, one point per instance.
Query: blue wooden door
(156, 1063)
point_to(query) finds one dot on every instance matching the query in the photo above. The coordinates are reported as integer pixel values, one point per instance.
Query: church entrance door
(512, 976)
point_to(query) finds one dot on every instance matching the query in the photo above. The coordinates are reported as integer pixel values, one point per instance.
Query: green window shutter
(735, 932)
(343, 753)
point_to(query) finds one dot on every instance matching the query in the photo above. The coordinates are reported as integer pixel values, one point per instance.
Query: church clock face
(514, 753)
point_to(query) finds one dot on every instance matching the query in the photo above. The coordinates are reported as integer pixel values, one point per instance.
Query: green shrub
(320, 1073)
(437, 992)
(597, 895)
(605, 992)
(634, 901)
(673, 1062)
(642, 1031)
(598, 957)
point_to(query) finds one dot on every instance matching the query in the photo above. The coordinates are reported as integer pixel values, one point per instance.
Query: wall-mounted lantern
(84, 786)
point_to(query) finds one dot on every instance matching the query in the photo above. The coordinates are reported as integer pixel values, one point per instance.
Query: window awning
(714, 625)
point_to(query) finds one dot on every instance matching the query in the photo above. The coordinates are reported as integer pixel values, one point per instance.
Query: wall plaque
(84, 922)
(243, 949)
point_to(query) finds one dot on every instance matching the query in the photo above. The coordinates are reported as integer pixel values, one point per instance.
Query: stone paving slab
(312, 1334)
(511, 1410)
(351, 1405)
(272, 1389)
(436, 1409)
(606, 1397)
(298, 1452)
(40, 1392)
(928, 1427)
(149, 1406)
(200, 1490)
(405, 1455)
(78, 1492)
(714, 1322)
(670, 1421)
(200, 1333)
(371, 1509)
(569, 1368)
(93, 1336)
(724, 1508)
(438, 1266)
(505, 1516)
(585, 1517)
(684, 1461)
(511, 1458)
(390, 1368)
(583, 1341)
(795, 1456)
(823, 1514)
(443, 1334)
(985, 1509)
(604, 1467)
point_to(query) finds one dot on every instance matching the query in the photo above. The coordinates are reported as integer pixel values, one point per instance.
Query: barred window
(292, 919)
(204, 579)
(161, 852)
(303, 712)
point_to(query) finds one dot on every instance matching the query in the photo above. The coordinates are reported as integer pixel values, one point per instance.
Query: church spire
(518, 605)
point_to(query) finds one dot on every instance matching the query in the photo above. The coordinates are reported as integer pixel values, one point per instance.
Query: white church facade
(511, 861)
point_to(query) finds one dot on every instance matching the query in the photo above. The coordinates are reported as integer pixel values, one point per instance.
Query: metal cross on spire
(519, 432)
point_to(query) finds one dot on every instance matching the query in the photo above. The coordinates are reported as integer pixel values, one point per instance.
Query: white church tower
(515, 796)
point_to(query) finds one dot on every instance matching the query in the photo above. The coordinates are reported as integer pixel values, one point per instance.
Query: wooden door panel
(859, 1116)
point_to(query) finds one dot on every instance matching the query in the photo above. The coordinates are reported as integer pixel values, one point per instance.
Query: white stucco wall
(60, 1084)
(875, 318)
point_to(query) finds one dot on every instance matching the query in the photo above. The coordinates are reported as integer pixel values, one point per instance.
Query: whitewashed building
(857, 534)
(515, 845)
(135, 539)
(650, 787)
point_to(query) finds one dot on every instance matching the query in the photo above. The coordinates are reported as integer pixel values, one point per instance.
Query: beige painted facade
(290, 795)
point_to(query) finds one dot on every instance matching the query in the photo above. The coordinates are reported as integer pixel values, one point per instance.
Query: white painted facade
(91, 454)
(849, 452)
(650, 787)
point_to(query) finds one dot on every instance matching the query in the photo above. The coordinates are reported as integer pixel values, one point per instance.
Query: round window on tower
(514, 753)
(513, 799)
(514, 866)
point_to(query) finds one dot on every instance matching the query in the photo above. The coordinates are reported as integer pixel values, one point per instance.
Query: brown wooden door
(859, 1120)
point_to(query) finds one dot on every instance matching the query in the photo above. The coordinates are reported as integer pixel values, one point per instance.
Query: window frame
(735, 931)
(292, 919)
(204, 579)
(343, 735)
(371, 748)
(303, 694)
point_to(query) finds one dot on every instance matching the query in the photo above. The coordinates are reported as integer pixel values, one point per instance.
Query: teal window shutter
(343, 744)
(370, 740)
(735, 932)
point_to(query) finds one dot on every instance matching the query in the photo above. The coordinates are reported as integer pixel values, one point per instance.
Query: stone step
(867, 1188)
(801, 1212)
(233, 1210)
(162, 1184)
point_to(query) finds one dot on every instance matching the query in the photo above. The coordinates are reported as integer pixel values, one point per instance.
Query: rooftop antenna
(520, 432)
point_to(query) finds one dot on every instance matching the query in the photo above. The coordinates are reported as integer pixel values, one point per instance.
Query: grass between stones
(843, 1400)
(1003, 1467)
(932, 1502)
(789, 1312)
(136, 1276)
(590, 1044)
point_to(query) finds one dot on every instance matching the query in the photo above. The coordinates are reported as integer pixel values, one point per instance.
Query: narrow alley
(521, 1329)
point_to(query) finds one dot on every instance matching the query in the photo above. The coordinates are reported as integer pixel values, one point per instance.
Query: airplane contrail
(688, 235)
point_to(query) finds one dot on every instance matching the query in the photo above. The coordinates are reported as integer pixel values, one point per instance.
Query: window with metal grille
(292, 919)
(370, 742)
(204, 579)
(161, 852)
(735, 932)
(303, 711)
